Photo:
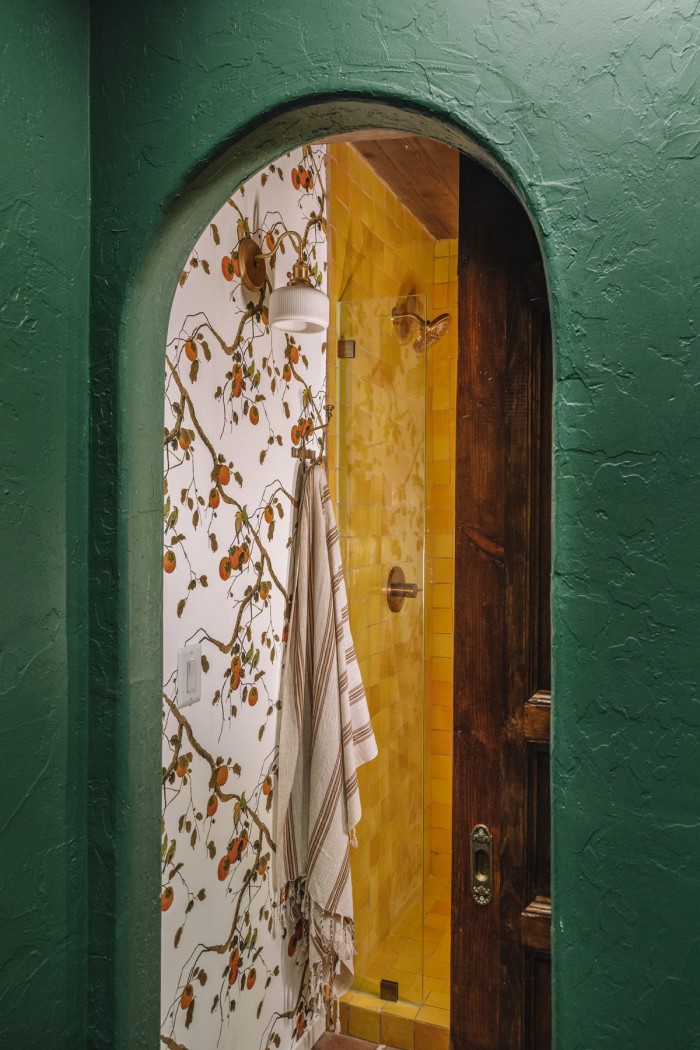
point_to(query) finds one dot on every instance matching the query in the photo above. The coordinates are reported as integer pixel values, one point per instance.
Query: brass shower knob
(397, 590)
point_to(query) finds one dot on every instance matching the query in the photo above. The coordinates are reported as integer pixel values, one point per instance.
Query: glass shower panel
(381, 394)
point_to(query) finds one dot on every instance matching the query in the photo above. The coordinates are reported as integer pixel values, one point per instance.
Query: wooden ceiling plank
(439, 167)
(409, 181)
(427, 183)
(387, 166)
(421, 173)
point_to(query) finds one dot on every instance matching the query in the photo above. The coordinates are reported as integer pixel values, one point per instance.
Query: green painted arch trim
(139, 409)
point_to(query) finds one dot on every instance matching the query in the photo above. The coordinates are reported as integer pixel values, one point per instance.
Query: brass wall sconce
(298, 307)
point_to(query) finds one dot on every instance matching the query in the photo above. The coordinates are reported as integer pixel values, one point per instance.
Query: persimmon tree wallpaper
(238, 398)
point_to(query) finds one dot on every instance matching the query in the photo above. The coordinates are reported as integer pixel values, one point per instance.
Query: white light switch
(189, 675)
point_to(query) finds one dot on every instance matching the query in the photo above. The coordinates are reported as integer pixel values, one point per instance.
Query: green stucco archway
(590, 111)
(138, 118)
(139, 495)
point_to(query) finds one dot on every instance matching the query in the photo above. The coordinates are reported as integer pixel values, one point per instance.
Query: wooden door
(501, 996)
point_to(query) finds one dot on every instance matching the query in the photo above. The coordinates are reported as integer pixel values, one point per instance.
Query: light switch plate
(189, 675)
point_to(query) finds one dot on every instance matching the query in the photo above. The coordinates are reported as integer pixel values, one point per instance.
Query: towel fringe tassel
(333, 938)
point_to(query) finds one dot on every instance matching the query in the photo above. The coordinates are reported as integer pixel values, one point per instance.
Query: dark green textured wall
(44, 261)
(592, 110)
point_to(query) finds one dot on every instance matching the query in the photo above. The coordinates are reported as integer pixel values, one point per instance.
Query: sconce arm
(252, 261)
(287, 233)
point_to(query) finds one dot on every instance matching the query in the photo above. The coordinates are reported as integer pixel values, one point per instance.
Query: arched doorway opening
(380, 117)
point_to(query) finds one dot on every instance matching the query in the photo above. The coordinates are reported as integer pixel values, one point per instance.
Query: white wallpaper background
(234, 395)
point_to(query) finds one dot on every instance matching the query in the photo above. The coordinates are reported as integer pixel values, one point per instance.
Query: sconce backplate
(253, 269)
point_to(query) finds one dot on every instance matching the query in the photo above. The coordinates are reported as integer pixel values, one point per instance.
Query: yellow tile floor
(417, 955)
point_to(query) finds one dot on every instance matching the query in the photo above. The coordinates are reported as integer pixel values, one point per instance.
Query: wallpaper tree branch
(237, 399)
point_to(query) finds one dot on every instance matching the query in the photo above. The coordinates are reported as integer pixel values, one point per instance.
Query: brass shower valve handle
(397, 590)
(404, 590)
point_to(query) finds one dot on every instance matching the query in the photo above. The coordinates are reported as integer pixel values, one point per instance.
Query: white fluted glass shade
(299, 308)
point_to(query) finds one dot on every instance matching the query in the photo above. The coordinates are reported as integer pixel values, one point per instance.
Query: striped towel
(325, 734)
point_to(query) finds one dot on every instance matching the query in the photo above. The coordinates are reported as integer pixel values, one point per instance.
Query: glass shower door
(381, 405)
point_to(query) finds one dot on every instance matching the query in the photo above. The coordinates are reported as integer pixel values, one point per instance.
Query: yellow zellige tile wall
(379, 251)
(390, 455)
(440, 598)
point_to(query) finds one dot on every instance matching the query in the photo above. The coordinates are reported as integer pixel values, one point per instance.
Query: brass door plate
(481, 864)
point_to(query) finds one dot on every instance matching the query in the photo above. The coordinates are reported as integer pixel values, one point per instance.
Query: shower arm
(414, 317)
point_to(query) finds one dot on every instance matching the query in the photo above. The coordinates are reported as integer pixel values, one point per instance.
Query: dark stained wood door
(501, 973)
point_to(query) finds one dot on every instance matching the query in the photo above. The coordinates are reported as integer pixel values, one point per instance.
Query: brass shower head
(435, 330)
(429, 331)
